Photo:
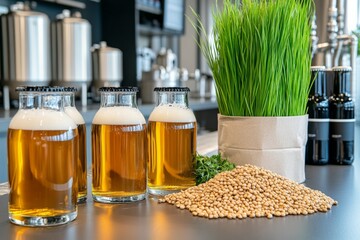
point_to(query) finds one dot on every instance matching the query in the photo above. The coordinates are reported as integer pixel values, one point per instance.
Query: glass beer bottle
(342, 119)
(70, 109)
(41, 160)
(118, 147)
(317, 147)
(172, 142)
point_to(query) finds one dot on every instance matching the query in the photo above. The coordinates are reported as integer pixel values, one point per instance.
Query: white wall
(189, 51)
(188, 47)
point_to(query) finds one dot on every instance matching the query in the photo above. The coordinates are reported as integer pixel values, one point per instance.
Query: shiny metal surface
(167, 59)
(26, 47)
(337, 26)
(106, 65)
(144, 60)
(71, 40)
(156, 77)
(164, 73)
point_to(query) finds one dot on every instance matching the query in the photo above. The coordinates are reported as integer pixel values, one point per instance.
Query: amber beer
(172, 148)
(80, 152)
(82, 163)
(118, 150)
(41, 163)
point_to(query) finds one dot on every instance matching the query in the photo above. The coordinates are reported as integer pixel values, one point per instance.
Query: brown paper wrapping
(275, 143)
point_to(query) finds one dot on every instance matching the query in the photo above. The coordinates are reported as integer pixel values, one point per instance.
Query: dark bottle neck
(341, 82)
(318, 87)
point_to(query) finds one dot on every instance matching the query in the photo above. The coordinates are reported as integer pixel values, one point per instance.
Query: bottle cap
(342, 69)
(118, 89)
(45, 89)
(317, 68)
(318, 76)
(171, 89)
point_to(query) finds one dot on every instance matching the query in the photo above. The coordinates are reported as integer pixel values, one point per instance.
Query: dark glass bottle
(317, 148)
(342, 119)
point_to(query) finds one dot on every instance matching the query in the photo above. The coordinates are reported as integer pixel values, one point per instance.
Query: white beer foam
(119, 115)
(172, 113)
(34, 119)
(75, 115)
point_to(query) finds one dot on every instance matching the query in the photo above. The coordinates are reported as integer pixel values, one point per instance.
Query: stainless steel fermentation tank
(25, 50)
(107, 67)
(71, 61)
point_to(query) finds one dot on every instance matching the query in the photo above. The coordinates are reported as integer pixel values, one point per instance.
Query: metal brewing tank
(106, 65)
(71, 42)
(25, 47)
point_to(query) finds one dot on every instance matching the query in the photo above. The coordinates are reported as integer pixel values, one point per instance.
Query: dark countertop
(150, 220)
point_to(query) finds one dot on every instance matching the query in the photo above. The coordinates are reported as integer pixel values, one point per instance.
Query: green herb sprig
(259, 54)
(207, 167)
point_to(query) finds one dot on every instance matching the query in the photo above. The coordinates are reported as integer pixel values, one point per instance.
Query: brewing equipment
(25, 48)
(164, 73)
(71, 41)
(144, 60)
(340, 47)
(167, 59)
(107, 66)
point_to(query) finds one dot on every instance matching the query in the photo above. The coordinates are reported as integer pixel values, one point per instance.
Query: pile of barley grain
(250, 191)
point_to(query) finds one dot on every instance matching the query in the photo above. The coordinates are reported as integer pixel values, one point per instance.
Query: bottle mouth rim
(317, 68)
(171, 89)
(45, 89)
(342, 69)
(118, 89)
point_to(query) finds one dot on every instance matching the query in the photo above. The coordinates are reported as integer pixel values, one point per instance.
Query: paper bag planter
(275, 143)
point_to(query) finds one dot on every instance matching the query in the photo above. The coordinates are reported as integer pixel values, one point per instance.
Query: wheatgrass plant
(260, 56)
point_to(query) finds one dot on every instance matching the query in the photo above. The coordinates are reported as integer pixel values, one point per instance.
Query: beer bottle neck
(41, 100)
(69, 99)
(318, 87)
(342, 82)
(177, 98)
(112, 99)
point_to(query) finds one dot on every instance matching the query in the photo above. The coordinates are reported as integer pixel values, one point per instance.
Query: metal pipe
(333, 4)
(353, 55)
(332, 29)
(341, 25)
(338, 52)
(313, 36)
(321, 47)
(358, 15)
(352, 42)
(340, 16)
